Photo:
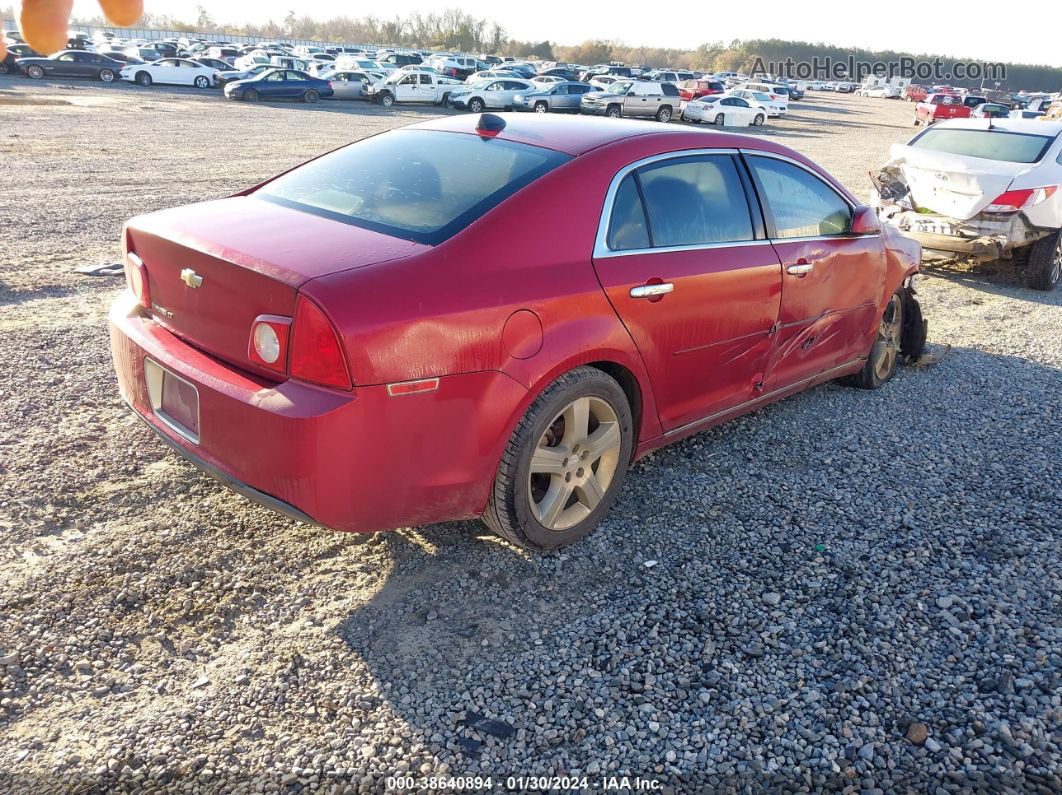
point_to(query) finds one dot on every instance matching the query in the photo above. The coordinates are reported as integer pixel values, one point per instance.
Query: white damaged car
(982, 189)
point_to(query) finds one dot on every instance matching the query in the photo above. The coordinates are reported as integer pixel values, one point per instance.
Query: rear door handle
(800, 267)
(651, 290)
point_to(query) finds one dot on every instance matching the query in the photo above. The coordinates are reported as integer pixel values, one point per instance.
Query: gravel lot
(846, 590)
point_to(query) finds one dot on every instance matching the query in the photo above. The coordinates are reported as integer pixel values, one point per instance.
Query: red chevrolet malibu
(493, 316)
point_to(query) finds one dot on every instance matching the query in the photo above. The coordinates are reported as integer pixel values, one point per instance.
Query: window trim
(601, 248)
(768, 217)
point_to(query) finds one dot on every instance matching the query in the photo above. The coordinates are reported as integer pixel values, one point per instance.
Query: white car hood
(953, 185)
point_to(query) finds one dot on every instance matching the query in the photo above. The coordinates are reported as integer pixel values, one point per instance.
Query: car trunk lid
(954, 185)
(214, 267)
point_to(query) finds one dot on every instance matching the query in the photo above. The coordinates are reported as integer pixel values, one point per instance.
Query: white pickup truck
(412, 86)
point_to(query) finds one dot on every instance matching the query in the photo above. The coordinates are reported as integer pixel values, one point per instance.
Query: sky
(983, 30)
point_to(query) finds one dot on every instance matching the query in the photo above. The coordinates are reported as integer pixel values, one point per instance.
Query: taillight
(316, 355)
(1013, 200)
(137, 278)
(268, 346)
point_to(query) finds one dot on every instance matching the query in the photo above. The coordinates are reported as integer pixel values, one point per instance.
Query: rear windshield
(1009, 147)
(420, 185)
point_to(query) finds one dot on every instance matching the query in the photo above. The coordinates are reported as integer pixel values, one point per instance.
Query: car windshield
(421, 185)
(761, 96)
(1009, 147)
(620, 87)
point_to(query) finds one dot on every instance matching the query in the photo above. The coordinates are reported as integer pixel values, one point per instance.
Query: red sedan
(692, 89)
(494, 316)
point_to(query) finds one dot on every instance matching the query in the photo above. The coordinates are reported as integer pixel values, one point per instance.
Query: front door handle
(800, 267)
(652, 290)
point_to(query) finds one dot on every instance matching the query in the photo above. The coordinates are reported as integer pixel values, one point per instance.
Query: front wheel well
(629, 384)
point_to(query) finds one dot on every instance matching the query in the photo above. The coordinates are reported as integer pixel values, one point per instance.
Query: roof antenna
(490, 124)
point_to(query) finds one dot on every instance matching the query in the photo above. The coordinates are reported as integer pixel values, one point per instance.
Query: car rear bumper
(984, 237)
(356, 461)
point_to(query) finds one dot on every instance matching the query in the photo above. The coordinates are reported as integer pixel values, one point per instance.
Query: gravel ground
(846, 590)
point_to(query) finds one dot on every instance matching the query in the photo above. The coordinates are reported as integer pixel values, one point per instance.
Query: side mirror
(865, 221)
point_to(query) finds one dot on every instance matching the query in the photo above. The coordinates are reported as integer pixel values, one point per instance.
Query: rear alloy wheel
(1044, 268)
(35, 72)
(475, 105)
(311, 96)
(759, 120)
(719, 120)
(541, 107)
(143, 79)
(107, 75)
(250, 95)
(663, 115)
(202, 81)
(885, 354)
(564, 464)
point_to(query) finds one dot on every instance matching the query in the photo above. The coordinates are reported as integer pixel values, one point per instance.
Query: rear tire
(1044, 268)
(759, 120)
(143, 79)
(34, 72)
(564, 464)
(885, 353)
(311, 96)
(106, 75)
(664, 115)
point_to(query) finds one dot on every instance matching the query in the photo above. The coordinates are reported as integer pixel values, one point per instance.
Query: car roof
(1033, 126)
(576, 135)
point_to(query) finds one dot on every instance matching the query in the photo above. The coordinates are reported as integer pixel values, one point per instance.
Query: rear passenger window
(801, 204)
(695, 200)
(627, 228)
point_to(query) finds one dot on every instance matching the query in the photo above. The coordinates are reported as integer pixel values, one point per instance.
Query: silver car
(557, 98)
(350, 84)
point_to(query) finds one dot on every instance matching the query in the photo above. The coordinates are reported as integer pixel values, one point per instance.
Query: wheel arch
(624, 367)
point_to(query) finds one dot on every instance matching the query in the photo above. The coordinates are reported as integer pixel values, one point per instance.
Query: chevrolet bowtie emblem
(191, 278)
